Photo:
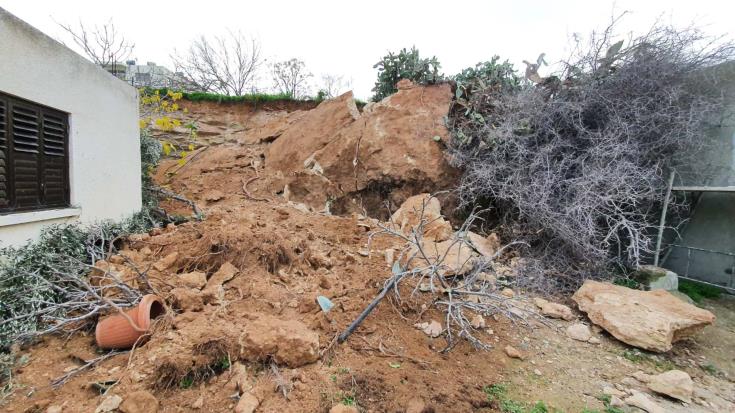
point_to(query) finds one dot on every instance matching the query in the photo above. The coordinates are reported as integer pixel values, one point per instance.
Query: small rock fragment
(109, 404)
(54, 409)
(195, 279)
(594, 340)
(612, 391)
(432, 329)
(198, 403)
(507, 292)
(139, 402)
(213, 195)
(247, 404)
(187, 299)
(341, 408)
(641, 376)
(673, 383)
(616, 401)
(512, 352)
(642, 401)
(166, 262)
(415, 405)
(579, 331)
(477, 322)
(554, 310)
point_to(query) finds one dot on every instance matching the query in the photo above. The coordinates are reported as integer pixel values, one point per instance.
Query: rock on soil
(579, 332)
(415, 405)
(554, 310)
(341, 408)
(652, 320)
(288, 342)
(456, 257)
(512, 352)
(109, 404)
(673, 383)
(247, 404)
(196, 279)
(486, 246)
(418, 208)
(432, 329)
(139, 402)
(643, 402)
(334, 152)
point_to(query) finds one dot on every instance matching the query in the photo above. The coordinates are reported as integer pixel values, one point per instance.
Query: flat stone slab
(651, 320)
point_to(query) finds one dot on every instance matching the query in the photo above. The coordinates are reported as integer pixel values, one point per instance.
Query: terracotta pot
(116, 331)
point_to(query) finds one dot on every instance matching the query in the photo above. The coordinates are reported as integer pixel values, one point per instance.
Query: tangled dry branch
(576, 164)
(460, 295)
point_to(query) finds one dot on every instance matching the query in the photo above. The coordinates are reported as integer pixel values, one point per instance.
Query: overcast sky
(347, 38)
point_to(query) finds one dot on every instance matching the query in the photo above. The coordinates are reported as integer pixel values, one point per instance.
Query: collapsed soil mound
(337, 159)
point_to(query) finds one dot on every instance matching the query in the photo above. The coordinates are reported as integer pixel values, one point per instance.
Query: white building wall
(104, 151)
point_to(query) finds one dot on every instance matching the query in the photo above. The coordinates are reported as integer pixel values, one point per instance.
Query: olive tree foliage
(225, 64)
(577, 163)
(291, 78)
(103, 44)
(406, 64)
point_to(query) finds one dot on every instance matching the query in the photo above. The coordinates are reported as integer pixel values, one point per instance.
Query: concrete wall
(104, 151)
(712, 224)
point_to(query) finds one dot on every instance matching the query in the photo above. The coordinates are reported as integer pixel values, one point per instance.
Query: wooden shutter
(34, 160)
(4, 178)
(54, 182)
(26, 158)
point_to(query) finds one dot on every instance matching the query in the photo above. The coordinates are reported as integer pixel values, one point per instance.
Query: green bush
(216, 97)
(406, 64)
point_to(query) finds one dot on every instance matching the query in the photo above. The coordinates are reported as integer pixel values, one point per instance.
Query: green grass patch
(697, 291)
(498, 395)
(216, 97)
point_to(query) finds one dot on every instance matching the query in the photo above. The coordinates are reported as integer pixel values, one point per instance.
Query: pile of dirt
(244, 331)
(337, 159)
(331, 158)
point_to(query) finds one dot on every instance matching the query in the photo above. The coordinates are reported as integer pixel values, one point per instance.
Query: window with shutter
(34, 166)
(4, 195)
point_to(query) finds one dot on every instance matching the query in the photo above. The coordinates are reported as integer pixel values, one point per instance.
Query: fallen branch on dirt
(187, 161)
(458, 292)
(165, 192)
(282, 385)
(51, 285)
(87, 364)
(390, 283)
(247, 193)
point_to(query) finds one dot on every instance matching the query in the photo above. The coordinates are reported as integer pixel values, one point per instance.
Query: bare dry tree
(290, 77)
(220, 64)
(103, 45)
(334, 85)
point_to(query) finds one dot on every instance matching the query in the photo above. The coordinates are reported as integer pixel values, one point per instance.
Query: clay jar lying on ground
(117, 331)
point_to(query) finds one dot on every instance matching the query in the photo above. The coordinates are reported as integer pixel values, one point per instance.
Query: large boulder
(651, 320)
(310, 133)
(333, 153)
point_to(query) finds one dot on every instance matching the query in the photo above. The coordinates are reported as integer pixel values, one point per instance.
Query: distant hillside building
(148, 75)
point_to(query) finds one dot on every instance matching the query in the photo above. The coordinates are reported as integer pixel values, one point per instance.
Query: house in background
(69, 139)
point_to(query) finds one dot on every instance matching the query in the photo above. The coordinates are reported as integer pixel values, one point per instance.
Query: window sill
(36, 216)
